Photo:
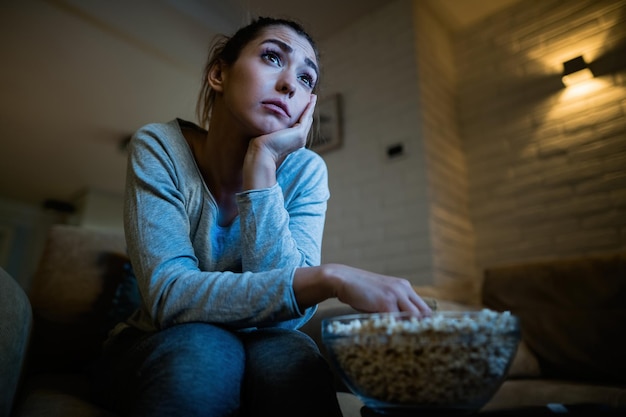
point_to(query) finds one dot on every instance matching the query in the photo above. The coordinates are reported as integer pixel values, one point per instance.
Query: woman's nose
(287, 85)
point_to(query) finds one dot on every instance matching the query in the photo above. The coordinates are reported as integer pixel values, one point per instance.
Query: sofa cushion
(519, 393)
(58, 395)
(72, 294)
(572, 313)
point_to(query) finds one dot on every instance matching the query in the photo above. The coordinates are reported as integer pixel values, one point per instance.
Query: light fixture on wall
(576, 70)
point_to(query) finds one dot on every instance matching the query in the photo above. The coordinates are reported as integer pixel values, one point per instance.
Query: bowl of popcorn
(397, 363)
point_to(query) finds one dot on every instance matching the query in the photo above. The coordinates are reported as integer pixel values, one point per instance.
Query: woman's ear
(216, 76)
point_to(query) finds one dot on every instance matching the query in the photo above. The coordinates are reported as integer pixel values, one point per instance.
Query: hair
(226, 50)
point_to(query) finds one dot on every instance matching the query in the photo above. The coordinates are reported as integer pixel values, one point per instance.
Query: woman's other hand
(282, 142)
(266, 153)
(363, 290)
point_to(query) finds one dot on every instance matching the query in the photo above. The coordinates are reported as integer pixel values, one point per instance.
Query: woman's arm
(283, 206)
(283, 226)
(266, 153)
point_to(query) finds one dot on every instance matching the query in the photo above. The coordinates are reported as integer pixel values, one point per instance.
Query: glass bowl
(396, 363)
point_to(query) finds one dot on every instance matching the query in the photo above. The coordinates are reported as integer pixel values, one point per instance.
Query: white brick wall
(378, 214)
(502, 164)
(547, 171)
(452, 233)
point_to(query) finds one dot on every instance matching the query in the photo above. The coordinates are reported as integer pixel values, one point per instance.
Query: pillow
(572, 313)
(77, 278)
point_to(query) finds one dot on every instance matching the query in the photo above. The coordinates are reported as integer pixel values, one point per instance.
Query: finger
(309, 110)
(311, 106)
(411, 302)
(420, 304)
(305, 122)
(406, 305)
(306, 118)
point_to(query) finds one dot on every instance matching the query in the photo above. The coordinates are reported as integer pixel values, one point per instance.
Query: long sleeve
(191, 269)
(276, 233)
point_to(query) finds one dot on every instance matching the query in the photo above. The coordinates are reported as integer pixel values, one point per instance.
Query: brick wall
(502, 163)
(547, 165)
(378, 214)
(452, 234)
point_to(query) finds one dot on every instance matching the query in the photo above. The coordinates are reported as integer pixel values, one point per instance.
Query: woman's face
(271, 83)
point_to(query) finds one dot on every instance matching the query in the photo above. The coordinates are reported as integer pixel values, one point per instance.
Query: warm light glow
(582, 89)
(571, 101)
(577, 77)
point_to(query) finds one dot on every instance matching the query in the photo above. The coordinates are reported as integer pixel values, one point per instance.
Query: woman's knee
(286, 375)
(285, 356)
(197, 354)
(196, 368)
(268, 342)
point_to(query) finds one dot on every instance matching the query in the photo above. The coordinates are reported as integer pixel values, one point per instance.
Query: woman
(224, 229)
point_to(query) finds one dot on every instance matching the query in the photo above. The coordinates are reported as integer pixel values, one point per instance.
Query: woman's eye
(272, 57)
(308, 80)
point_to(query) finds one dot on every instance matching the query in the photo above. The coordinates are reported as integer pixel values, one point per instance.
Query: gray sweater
(189, 268)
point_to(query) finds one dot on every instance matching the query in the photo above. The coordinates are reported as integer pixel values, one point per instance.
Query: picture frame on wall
(327, 119)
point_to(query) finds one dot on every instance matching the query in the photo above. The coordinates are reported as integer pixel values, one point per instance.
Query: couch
(572, 314)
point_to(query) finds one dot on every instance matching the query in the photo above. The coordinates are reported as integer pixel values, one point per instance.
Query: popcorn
(445, 359)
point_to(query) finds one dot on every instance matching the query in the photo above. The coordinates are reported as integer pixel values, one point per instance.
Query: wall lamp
(576, 70)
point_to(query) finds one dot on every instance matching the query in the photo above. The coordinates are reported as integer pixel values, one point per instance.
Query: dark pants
(200, 369)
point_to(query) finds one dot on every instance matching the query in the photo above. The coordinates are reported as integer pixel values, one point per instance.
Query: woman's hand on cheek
(266, 153)
(285, 141)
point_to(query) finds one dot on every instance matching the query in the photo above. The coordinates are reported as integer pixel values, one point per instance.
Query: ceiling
(78, 76)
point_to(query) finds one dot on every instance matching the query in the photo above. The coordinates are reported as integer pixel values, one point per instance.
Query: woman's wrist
(314, 284)
(259, 168)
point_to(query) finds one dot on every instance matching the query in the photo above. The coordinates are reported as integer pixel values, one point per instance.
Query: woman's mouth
(278, 107)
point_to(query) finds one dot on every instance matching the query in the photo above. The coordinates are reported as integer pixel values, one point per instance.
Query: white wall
(452, 232)
(378, 214)
(101, 210)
